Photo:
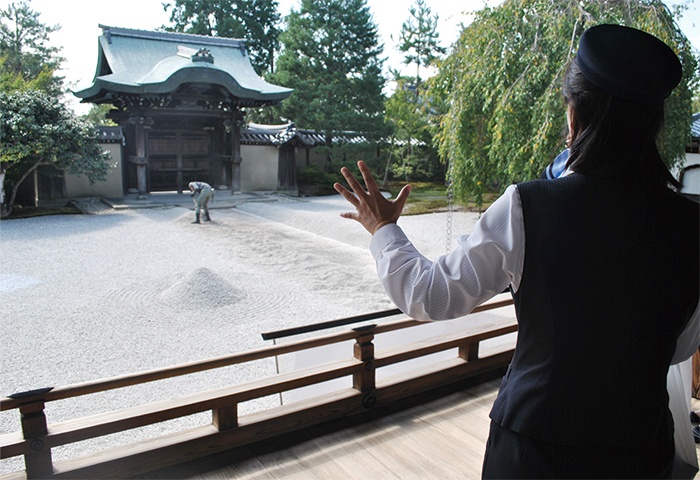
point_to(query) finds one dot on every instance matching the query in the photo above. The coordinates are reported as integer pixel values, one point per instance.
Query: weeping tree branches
(500, 86)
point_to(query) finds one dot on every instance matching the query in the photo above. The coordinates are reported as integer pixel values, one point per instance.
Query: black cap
(628, 63)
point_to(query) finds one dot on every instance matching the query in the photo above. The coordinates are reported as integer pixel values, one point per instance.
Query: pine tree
(331, 58)
(419, 38)
(256, 21)
(26, 59)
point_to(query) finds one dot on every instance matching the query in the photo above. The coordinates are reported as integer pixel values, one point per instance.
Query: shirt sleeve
(689, 340)
(482, 265)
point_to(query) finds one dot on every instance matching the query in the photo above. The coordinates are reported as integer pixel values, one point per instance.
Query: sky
(79, 20)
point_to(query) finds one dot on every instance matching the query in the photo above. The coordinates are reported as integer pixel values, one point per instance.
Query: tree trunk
(388, 163)
(11, 202)
(2, 193)
(329, 145)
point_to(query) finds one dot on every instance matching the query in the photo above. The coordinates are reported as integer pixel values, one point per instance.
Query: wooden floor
(435, 438)
(440, 438)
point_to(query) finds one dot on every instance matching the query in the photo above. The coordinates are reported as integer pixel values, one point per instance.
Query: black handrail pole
(330, 324)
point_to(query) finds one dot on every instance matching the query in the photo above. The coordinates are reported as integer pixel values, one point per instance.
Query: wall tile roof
(257, 134)
(110, 134)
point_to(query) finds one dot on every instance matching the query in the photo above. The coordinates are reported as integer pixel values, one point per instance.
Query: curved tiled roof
(140, 62)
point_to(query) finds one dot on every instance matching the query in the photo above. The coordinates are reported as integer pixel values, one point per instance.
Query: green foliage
(349, 149)
(429, 197)
(98, 115)
(419, 39)
(408, 114)
(36, 132)
(505, 117)
(11, 81)
(331, 58)
(343, 153)
(26, 59)
(312, 180)
(28, 212)
(256, 21)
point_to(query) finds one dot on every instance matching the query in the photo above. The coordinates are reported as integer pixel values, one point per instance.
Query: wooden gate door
(177, 157)
(286, 168)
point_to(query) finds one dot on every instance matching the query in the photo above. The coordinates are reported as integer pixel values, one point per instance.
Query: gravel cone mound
(201, 288)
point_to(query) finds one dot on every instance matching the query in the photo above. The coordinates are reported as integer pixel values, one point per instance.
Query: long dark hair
(612, 136)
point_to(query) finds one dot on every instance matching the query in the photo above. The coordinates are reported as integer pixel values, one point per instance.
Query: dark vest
(609, 281)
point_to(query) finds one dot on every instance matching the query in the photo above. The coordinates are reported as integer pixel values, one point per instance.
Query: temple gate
(180, 100)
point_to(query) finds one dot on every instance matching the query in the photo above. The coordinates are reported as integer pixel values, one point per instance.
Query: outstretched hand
(373, 211)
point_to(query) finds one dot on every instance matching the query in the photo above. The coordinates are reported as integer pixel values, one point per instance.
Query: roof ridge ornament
(203, 55)
(196, 55)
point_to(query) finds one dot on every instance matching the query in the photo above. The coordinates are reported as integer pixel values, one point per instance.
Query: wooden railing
(228, 429)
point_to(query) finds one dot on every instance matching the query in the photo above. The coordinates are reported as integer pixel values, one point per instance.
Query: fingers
(403, 195)
(352, 181)
(371, 185)
(361, 195)
(347, 194)
(372, 210)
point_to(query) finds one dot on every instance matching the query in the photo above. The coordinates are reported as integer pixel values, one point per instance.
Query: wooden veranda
(384, 381)
(439, 435)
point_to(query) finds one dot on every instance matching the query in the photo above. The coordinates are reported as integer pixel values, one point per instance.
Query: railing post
(365, 379)
(469, 352)
(225, 418)
(38, 462)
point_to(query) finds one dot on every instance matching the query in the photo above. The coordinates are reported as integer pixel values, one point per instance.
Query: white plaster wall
(691, 180)
(259, 167)
(113, 186)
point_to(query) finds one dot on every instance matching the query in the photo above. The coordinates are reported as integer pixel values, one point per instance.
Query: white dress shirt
(483, 264)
